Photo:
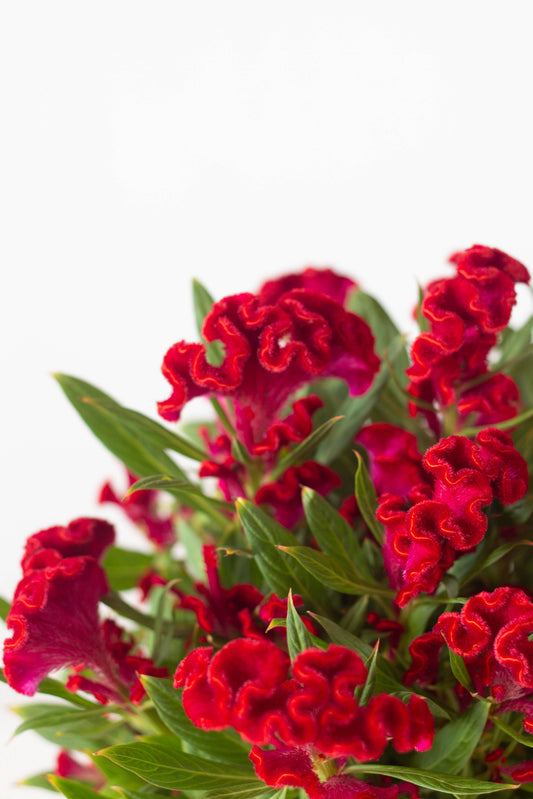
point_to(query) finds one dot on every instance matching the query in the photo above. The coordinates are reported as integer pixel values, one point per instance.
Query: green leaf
(221, 746)
(370, 683)
(356, 410)
(55, 688)
(166, 767)
(189, 494)
(133, 448)
(459, 670)
(161, 437)
(508, 424)
(513, 343)
(454, 743)
(493, 557)
(280, 571)
(203, 303)
(525, 740)
(366, 500)
(5, 607)
(332, 573)
(432, 780)
(298, 637)
(384, 329)
(72, 789)
(62, 717)
(116, 775)
(333, 534)
(304, 449)
(124, 567)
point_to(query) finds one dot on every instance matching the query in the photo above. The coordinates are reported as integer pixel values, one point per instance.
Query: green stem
(116, 603)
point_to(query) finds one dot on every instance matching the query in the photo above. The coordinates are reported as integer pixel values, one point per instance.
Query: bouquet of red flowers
(336, 601)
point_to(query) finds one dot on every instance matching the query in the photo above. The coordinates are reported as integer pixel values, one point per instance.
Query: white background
(142, 144)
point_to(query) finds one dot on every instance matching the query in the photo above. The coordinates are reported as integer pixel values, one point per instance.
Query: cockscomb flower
(322, 281)
(54, 621)
(270, 351)
(247, 685)
(492, 634)
(465, 314)
(84, 536)
(426, 530)
(142, 508)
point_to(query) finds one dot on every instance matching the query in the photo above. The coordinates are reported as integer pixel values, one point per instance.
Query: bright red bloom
(246, 685)
(465, 314)
(271, 350)
(80, 537)
(395, 463)
(142, 508)
(492, 634)
(321, 281)
(54, 622)
(426, 530)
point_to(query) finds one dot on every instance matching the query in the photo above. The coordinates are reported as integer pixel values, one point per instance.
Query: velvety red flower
(492, 634)
(321, 281)
(465, 313)
(285, 494)
(142, 508)
(80, 537)
(54, 622)
(271, 350)
(246, 685)
(426, 530)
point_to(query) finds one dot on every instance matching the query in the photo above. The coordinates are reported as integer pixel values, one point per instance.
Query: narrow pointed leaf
(189, 494)
(298, 637)
(460, 671)
(166, 767)
(333, 534)
(5, 607)
(61, 717)
(138, 454)
(370, 683)
(433, 780)
(221, 746)
(366, 500)
(203, 303)
(454, 743)
(331, 572)
(152, 431)
(72, 789)
(280, 571)
(124, 567)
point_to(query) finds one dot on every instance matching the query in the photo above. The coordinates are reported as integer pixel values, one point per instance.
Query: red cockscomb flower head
(82, 536)
(423, 540)
(492, 634)
(141, 507)
(321, 281)
(271, 350)
(246, 685)
(465, 315)
(54, 622)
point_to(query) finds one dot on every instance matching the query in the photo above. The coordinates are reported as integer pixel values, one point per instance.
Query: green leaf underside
(222, 745)
(298, 637)
(280, 570)
(61, 717)
(72, 789)
(332, 572)
(366, 500)
(169, 768)
(135, 451)
(433, 780)
(454, 743)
